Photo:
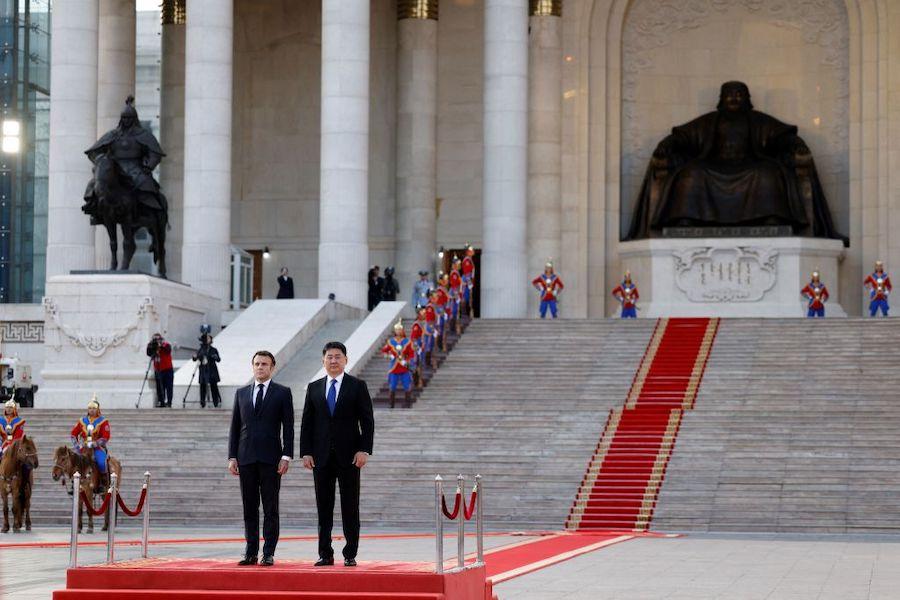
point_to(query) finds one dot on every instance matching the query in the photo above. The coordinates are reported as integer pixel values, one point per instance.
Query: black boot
(407, 399)
(391, 396)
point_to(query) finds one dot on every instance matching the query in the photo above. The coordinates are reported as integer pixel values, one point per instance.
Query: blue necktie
(332, 396)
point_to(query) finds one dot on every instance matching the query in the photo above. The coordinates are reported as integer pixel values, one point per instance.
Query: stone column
(544, 137)
(171, 127)
(416, 139)
(115, 82)
(73, 128)
(504, 280)
(344, 152)
(206, 255)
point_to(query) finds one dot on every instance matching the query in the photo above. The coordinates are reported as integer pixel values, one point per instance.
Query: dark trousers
(259, 480)
(165, 382)
(214, 388)
(347, 477)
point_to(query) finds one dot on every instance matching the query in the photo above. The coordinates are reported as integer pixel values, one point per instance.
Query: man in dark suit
(256, 454)
(336, 436)
(285, 285)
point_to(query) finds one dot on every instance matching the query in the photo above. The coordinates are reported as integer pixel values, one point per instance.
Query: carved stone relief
(739, 274)
(95, 344)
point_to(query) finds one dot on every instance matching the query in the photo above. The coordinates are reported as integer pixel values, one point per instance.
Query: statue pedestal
(96, 330)
(730, 277)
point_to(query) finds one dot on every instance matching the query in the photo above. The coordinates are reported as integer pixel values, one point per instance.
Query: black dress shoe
(268, 560)
(349, 562)
(247, 560)
(324, 562)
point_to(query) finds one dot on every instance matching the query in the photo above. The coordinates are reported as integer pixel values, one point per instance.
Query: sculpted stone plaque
(738, 274)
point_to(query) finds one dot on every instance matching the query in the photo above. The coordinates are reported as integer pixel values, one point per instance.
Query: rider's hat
(94, 403)
(398, 326)
(13, 405)
(129, 110)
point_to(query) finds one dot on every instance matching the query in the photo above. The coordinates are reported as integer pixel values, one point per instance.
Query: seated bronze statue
(733, 167)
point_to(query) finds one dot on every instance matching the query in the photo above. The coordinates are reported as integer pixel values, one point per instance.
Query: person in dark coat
(285, 285)
(376, 284)
(390, 287)
(208, 356)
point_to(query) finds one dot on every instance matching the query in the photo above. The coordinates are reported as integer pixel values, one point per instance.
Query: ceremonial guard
(879, 286)
(456, 285)
(421, 289)
(431, 331)
(549, 285)
(399, 350)
(91, 432)
(12, 426)
(627, 295)
(816, 295)
(468, 277)
(416, 336)
(441, 299)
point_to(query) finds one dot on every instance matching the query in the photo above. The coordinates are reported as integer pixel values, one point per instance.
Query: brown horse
(18, 481)
(93, 483)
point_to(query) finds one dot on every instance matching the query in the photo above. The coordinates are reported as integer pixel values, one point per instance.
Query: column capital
(174, 12)
(417, 9)
(545, 8)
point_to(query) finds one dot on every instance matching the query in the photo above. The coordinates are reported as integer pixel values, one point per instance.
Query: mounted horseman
(123, 190)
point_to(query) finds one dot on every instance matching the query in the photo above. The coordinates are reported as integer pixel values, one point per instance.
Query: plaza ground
(694, 566)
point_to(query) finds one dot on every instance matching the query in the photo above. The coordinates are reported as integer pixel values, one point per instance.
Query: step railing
(111, 500)
(460, 513)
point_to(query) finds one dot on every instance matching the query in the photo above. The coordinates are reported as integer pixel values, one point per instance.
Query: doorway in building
(461, 252)
(257, 273)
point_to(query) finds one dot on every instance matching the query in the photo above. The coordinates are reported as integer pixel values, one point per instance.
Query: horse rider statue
(135, 152)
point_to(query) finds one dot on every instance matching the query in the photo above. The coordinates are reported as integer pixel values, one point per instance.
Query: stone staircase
(795, 428)
(521, 402)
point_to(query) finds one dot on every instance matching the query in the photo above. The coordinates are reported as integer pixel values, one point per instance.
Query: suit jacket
(350, 430)
(255, 437)
(285, 287)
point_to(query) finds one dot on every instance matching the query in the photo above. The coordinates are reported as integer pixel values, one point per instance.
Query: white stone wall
(275, 144)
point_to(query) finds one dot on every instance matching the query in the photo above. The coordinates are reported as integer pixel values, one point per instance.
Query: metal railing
(112, 501)
(461, 515)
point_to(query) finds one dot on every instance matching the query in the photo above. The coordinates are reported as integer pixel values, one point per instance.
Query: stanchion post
(145, 533)
(438, 525)
(76, 500)
(461, 533)
(479, 519)
(111, 531)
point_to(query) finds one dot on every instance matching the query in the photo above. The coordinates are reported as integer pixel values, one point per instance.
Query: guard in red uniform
(417, 337)
(399, 350)
(92, 432)
(816, 295)
(549, 285)
(879, 286)
(627, 294)
(456, 293)
(12, 426)
(468, 277)
(442, 305)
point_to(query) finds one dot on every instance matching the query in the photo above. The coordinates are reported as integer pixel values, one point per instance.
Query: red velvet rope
(447, 513)
(140, 505)
(89, 507)
(470, 510)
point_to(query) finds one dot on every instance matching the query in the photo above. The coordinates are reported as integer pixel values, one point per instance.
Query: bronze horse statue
(66, 462)
(17, 479)
(119, 205)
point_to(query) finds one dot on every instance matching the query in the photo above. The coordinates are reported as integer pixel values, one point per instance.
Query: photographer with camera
(208, 356)
(160, 352)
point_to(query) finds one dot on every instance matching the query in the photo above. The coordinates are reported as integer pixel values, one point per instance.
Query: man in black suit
(336, 436)
(256, 454)
(285, 285)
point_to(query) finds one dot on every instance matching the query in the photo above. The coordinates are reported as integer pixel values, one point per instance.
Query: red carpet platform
(195, 579)
(623, 477)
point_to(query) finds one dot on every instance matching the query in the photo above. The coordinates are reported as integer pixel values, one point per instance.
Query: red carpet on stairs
(623, 477)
